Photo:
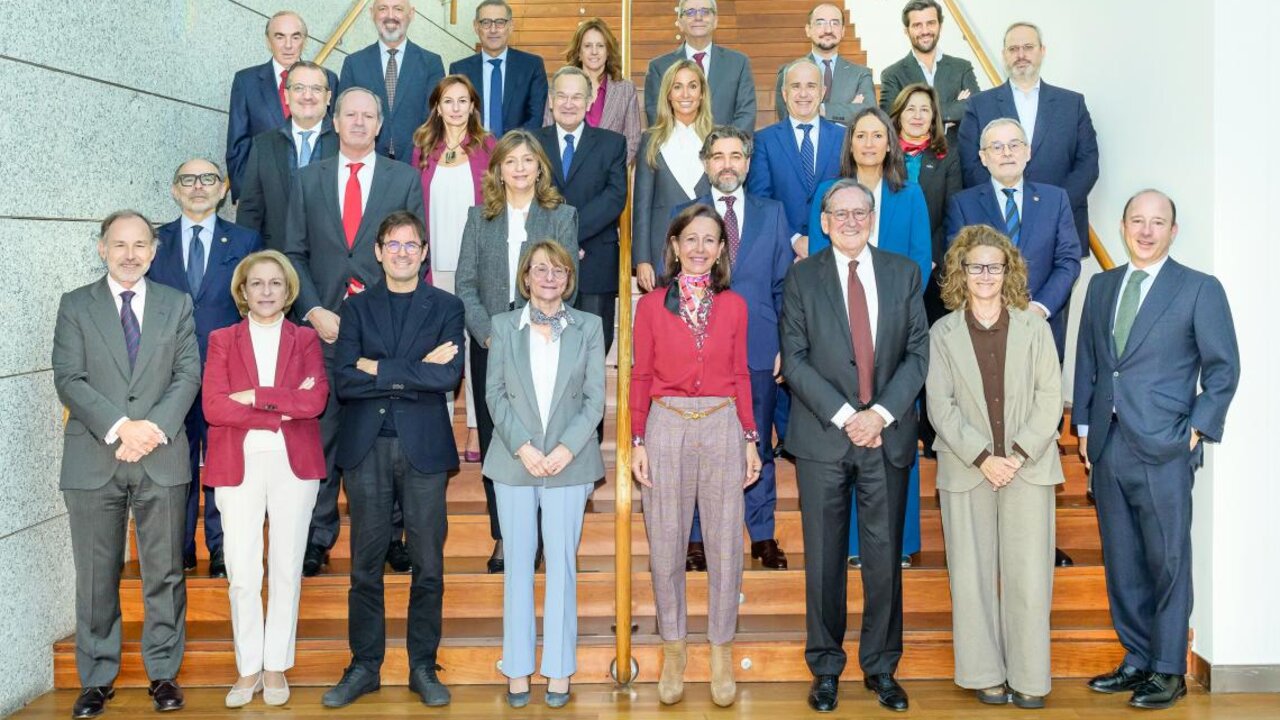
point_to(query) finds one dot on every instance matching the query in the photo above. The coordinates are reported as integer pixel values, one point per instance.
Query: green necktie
(1128, 309)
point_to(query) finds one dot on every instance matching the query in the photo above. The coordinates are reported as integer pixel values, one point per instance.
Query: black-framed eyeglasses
(843, 216)
(205, 179)
(979, 268)
(694, 13)
(499, 23)
(408, 248)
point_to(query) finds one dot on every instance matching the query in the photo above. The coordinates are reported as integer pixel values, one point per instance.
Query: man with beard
(512, 84)
(399, 72)
(952, 77)
(197, 254)
(758, 241)
(847, 86)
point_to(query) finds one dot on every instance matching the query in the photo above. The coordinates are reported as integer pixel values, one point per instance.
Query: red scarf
(916, 148)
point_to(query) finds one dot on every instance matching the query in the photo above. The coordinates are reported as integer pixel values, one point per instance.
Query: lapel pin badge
(224, 238)
(1034, 198)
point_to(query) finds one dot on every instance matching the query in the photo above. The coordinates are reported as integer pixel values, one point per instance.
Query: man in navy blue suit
(402, 75)
(258, 92)
(1035, 215)
(512, 84)
(198, 253)
(1156, 368)
(1064, 146)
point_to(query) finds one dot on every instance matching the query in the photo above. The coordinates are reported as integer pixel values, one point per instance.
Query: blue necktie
(567, 158)
(304, 153)
(195, 261)
(806, 157)
(132, 330)
(1012, 220)
(495, 98)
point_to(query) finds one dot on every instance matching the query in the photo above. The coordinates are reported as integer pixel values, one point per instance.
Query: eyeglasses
(823, 23)
(979, 268)
(542, 272)
(576, 97)
(300, 88)
(844, 216)
(408, 248)
(694, 13)
(487, 23)
(1025, 49)
(998, 148)
(205, 179)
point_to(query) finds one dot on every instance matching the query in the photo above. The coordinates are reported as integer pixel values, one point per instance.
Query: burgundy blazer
(230, 368)
(479, 164)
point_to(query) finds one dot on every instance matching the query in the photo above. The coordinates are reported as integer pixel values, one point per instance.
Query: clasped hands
(540, 465)
(1000, 471)
(864, 427)
(441, 355)
(640, 465)
(137, 439)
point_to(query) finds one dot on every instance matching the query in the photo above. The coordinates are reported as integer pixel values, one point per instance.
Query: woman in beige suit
(995, 398)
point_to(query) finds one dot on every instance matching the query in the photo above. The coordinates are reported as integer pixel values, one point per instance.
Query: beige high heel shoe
(273, 694)
(723, 689)
(241, 696)
(671, 682)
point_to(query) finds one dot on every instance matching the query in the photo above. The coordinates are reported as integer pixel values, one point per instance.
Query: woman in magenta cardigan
(264, 390)
(452, 152)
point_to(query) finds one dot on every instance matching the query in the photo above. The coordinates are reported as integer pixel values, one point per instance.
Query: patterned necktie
(860, 330)
(391, 77)
(1129, 302)
(284, 106)
(495, 98)
(304, 152)
(697, 57)
(195, 261)
(806, 157)
(731, 228)
(1012, 219)
(827, 79)
(567, 158)
(352, 205)
(132, 330)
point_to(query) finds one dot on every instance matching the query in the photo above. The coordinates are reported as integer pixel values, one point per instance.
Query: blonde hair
(495, 193)
(558, 256)
(955, 290)
(661, 130)
(241, 276)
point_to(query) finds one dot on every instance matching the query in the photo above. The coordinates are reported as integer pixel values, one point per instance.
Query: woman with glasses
(545, 391)
(995, 397)
(613, 105)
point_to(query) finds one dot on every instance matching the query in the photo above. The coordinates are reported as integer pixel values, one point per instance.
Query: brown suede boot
(723, 689)
(671, 683)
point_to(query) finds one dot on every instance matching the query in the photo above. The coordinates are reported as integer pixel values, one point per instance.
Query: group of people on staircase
(856, 278)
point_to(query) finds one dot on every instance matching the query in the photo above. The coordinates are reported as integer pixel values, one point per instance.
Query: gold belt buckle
(692, 414)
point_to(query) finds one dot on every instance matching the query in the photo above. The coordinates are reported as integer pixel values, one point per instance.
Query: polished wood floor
(775, 701)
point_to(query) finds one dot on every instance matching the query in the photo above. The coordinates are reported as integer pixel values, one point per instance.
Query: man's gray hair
(1023, 23)
(726, 132)
(337, 104)
(680, 7)
(286, 13)
(125, 215)
(797, 63)
(493, 3)
(569, 70)
(178, 170)
(845, 184)
(982, 139)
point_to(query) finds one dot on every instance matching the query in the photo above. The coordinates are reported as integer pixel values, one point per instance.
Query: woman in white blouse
(264, 390)
(545, 390)
(669, 172)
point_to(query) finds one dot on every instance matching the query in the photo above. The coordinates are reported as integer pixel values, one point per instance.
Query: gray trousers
(99, 531)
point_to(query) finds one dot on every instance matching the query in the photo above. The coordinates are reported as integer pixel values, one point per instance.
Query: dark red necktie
(283, 104)
(697, 57)
(860, 330)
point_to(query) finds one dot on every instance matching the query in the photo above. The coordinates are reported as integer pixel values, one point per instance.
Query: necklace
(451, 151)
(988, 321)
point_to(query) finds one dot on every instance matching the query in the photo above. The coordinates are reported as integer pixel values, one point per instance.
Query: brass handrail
(1095, 243)
(357, 7)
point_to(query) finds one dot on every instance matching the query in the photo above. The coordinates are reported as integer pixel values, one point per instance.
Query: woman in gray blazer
(995, 399)
(545, 391)
(614, 105)
(521, 207)
(668, 170)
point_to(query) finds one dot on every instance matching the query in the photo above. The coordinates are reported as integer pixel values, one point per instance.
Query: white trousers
(269, 489)
(445, 281)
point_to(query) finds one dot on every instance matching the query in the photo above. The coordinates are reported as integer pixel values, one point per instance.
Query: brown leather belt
(693, 414)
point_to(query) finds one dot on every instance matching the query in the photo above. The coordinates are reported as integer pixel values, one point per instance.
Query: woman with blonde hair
(995, 398)
(613, 104)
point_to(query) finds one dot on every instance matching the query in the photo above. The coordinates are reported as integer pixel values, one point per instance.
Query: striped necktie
(1012, 219)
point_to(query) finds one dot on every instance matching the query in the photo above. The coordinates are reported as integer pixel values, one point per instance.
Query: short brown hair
(938, 132)
(955, 291)
(399, 219)
(126, 214)
(612, 51)
(719, 271)
(241, 275)
(559, 257)
(917, 6)
(495, 194)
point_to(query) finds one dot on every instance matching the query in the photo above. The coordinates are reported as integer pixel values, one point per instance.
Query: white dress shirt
(706, 60)
(928, 72)
(365, 174)
(516, 235)
(485, 71)
(577, 138)
(138, 304)
(867, 275)
(544, 363)
(266, 348)
(206, 239)
(681, 155)
(1028, 105)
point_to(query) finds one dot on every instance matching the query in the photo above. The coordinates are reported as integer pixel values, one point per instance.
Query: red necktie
(352, 207)
(697, 57)
(731, 228)
(284, 105)
(860, 330)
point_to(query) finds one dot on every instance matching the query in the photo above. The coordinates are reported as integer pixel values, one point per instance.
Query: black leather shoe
(1061, 559)
(1123, 679)
(217, 564)
(496, 562)
(423, 680)
(769, 554)
(1160, 691)
(398, 557)
(695, 558)
(356, 680)
(166, 695)
(315, 558)
(92, 701)
(189, 561)
(887, 690)
(824, 693)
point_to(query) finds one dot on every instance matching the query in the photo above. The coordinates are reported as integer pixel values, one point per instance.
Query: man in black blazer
(331, 245)
(951, 77)
(278, 154)
(589, 167)
(399, 351)
(1157, 365)
(855, 347)
(403, 76)
(512, 84)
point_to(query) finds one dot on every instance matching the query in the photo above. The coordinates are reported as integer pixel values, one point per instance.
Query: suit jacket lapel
(244, 347)
(288, 340)
(961, 346)
(835, 295)
(419, 311)
(107, 319)
(915, 74)
(216, 257)
(552, 148)
(994, 205)
(828, 151)
(883, 298)
(331, 201)
(498, 240)
(1163, 289)
(1030, 212)
(172, 257)
(380, 309)
(269, 88)
(585, 147)
(570, 349)
(373, 215)
(155, 320)
(520, 360)
(1043, 108)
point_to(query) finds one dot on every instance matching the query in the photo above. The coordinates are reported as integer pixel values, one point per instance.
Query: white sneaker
(239, 697)
(276, 695)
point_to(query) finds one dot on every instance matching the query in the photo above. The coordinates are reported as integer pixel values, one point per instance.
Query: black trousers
(484, 428)
(881, 495)
(372, 487)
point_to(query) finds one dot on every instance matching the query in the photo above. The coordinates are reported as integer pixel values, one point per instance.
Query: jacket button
(382, 411)
(1115, 374)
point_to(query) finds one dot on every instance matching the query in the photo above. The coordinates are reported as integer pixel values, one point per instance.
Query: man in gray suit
(952, 77)
(733, 88)
(847, 86)
(330, 243)
(127, 366)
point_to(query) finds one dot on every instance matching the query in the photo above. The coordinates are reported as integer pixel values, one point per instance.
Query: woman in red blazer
(264, 390)
(452, 152)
